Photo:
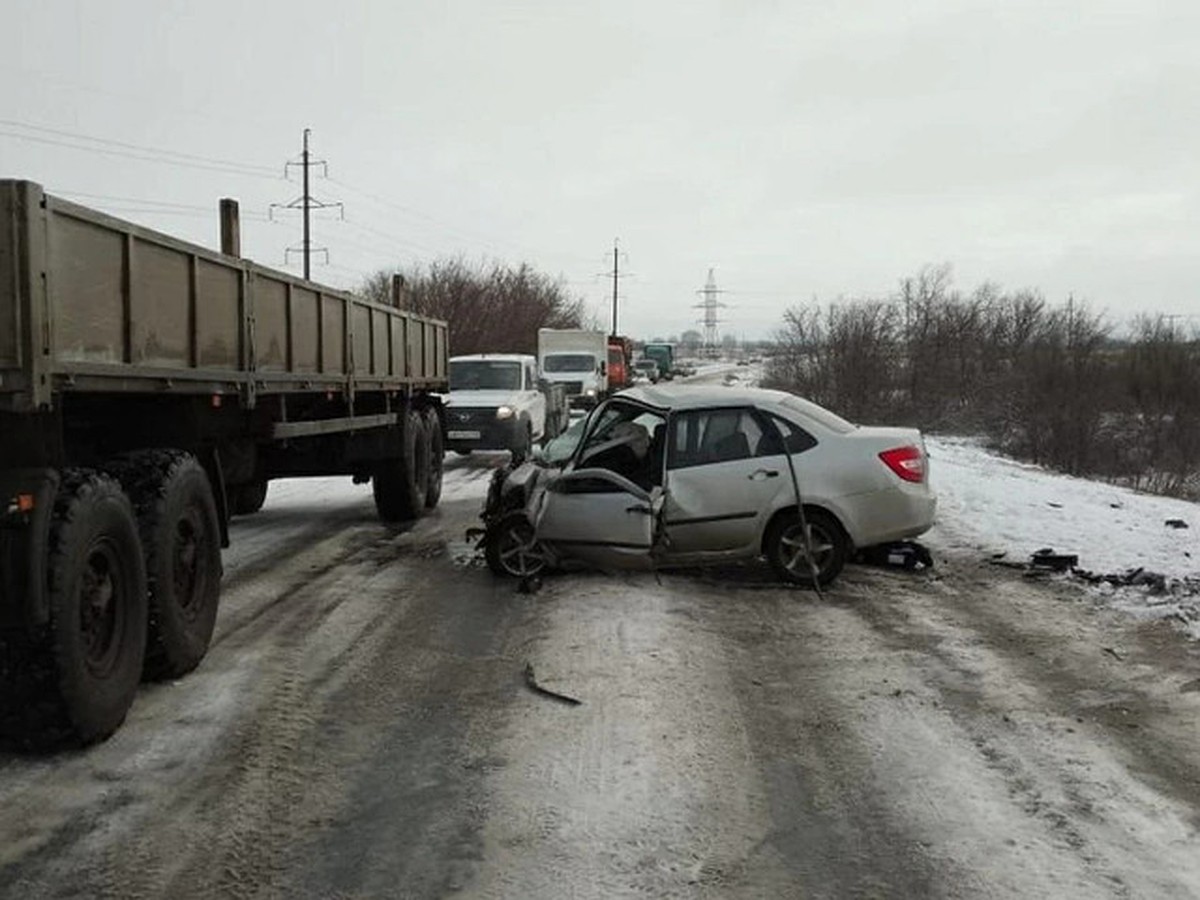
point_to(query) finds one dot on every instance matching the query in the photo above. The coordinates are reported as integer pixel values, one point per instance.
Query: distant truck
(149, 389)
(647, 368)
(664, 355)
(620, 362)
(576, 359)
(496, 402)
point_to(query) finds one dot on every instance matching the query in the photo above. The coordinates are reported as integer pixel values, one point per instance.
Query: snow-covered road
(361, 727)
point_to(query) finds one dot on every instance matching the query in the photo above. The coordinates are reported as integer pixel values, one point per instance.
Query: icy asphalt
(362, 728)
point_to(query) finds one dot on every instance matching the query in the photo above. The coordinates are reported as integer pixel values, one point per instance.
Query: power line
(106, 147)
(141, 204)
(485, 241)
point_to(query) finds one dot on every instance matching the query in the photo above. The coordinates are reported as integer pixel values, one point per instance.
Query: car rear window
(818, 414)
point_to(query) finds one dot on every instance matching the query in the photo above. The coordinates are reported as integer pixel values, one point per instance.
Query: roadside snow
(996, 505)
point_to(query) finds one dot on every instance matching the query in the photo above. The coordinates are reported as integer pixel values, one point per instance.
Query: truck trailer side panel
(112, 306)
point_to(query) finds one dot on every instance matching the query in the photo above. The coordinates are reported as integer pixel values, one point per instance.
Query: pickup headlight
(504, 412)
(590, 392)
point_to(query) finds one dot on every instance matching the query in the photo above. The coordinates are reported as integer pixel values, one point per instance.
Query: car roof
(500, 357)
(696, 396)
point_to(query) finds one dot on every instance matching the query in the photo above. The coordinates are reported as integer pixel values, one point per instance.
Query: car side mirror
(603, 369)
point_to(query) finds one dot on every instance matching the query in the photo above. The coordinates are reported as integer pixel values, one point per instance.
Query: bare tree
(489, 307)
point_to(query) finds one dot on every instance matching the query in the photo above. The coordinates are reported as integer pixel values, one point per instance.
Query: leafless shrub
(1046, 383)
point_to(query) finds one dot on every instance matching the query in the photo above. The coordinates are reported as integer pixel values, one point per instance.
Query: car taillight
(907, 462)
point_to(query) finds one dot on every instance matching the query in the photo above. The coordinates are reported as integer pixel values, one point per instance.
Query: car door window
(795, 438)
(708, 436)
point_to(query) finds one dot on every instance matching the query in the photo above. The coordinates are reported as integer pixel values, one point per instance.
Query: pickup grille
(573, 388)
(457, 417)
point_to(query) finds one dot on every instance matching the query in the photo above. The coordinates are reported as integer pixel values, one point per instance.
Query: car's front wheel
(511, 547)
(815, 560)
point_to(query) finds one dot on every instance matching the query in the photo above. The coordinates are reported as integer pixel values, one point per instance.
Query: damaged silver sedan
(685, 475)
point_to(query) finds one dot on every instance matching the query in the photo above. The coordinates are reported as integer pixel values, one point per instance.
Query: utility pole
(306, 203)
(615, 275)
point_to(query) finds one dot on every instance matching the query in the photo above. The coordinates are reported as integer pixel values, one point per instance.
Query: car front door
(725, 469)
(599, 517)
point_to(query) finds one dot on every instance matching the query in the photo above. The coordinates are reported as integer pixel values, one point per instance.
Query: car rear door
(725, 469)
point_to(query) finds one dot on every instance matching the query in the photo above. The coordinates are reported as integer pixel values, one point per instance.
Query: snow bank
(996, 505)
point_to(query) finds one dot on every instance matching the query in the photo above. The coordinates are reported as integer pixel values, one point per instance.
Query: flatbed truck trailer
(149, 389)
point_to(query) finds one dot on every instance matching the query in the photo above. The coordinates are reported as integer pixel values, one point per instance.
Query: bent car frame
(684, 475)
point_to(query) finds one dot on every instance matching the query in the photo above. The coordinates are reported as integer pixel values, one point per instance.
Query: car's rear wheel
(511, 547)
(789, 551)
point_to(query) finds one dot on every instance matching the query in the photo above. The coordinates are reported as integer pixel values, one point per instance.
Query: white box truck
(576, 359)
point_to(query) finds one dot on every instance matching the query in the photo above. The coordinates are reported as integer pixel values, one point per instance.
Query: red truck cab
(619, 353)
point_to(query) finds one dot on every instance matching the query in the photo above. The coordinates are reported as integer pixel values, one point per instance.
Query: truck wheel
(401, 485)
(76, 677)
(787, 549)
(248, 499)
(181, 540)
(437, 453)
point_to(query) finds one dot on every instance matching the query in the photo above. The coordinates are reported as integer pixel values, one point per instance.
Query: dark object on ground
(1046, 558)
(1191, 687)
(900, 554)
(531, 683)
(530, 584)
(1176, 523)
(1113, 653)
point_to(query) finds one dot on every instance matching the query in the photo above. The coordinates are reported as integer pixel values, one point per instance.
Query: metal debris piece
(1046, 558)
(531, 683)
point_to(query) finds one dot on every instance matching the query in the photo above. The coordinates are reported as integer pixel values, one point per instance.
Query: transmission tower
(710, 305)
(306, 203)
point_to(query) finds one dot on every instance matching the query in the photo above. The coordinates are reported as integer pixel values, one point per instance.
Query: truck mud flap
(26, 506)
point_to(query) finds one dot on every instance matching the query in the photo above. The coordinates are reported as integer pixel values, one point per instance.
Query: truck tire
(74, 679)
(181, 541)
(248, 499)
(437, 454)
(401, 485)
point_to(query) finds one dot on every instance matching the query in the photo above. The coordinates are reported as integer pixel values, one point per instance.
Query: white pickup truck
(496, 402)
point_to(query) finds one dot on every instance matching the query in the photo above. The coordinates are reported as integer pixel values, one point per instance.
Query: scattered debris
(1113, 653)
(1046, 558)
(899, 554)
(531, 683)
(529, 584)
(1176, 523)
(1053, 504)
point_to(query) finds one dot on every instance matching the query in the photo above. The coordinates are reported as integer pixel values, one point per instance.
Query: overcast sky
(802, 149)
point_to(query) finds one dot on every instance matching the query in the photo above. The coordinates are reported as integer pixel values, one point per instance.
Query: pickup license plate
(462, 435)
